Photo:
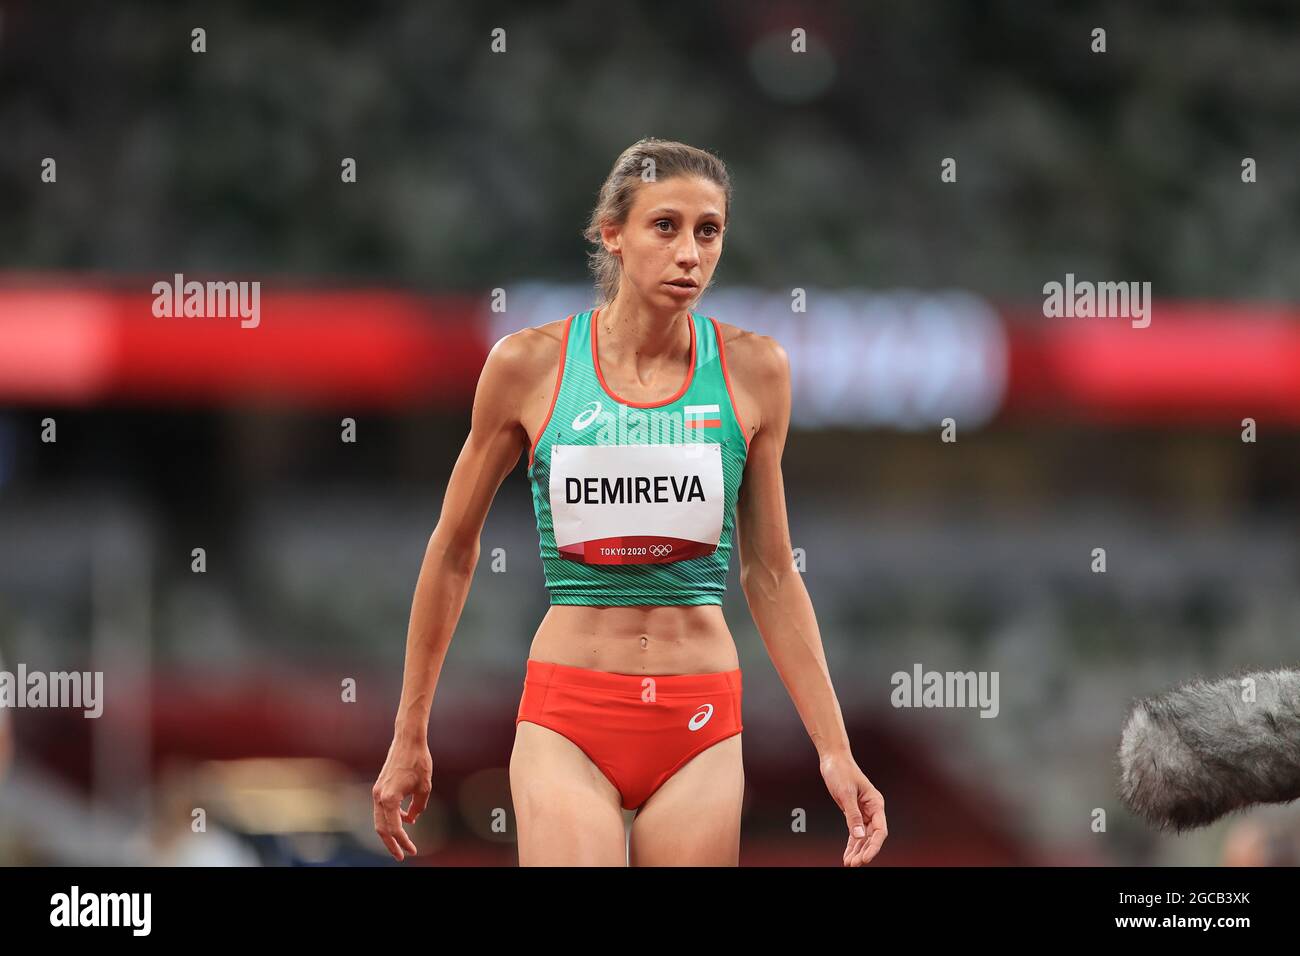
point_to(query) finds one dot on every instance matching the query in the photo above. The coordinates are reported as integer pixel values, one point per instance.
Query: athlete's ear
(611, 235)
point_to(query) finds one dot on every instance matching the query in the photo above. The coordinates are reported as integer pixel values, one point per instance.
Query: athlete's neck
(641, 338)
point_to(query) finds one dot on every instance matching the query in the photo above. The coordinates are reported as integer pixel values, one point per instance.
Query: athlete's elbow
(761, 580)
(455, 554)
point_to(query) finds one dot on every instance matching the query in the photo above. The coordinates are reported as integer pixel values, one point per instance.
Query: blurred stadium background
(475, 172)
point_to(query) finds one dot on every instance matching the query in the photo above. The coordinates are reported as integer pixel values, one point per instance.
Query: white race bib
(636, 504)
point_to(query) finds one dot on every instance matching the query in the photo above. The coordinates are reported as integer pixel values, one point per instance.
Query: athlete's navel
(644, 642)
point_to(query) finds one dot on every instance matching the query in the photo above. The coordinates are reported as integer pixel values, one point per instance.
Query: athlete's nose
(688, 253)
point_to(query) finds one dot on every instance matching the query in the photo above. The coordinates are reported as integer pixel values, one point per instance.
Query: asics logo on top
(701, 717)
(586, 416)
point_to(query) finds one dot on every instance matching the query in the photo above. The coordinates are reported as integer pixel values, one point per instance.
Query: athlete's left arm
(779, 602)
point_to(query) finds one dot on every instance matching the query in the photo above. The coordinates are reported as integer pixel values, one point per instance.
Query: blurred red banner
(71, 343)
(376, 348)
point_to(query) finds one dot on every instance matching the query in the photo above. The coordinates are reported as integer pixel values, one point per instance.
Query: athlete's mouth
(684, 283)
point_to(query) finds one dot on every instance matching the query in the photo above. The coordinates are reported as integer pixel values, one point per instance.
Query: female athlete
(640, 418)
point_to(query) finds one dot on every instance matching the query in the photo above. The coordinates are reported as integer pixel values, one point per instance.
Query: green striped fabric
(645, 492)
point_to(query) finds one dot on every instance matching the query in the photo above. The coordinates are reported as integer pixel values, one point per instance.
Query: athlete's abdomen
(641, 639)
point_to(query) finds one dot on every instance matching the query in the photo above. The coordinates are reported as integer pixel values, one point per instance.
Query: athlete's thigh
(566, 810)
(694, 818)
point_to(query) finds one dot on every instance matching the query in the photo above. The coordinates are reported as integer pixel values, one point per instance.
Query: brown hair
(667, 159)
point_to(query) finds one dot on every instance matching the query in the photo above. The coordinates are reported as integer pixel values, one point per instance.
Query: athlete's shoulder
(528, 352)
(520, 366)
(757, 358)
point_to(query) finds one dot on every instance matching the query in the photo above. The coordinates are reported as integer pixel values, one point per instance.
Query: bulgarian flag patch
(702, 416)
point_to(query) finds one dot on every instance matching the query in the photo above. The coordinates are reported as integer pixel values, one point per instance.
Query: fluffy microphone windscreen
(1206, 748)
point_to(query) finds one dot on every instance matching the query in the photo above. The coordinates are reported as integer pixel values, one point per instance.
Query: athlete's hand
(862, 804)
(408, 771)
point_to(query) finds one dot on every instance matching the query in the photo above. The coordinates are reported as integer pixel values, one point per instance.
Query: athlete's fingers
(855, 854)
(405, 840)
(396, 839)
(853, 851)
(857, 829)
(388, 825)
(393, 827)
(878, 829)
(853, 816)
(382, 828)
(848, 851)
(385, 834)
(377, 811)
(864, 814)
(419, 801)
(859, 855)
(873, 844)
(392, 846)
(853, 848)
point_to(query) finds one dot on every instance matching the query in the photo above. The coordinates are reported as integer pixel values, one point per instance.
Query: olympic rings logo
(660, 550)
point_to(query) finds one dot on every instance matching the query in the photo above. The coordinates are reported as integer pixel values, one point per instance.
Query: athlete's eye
(709, 225)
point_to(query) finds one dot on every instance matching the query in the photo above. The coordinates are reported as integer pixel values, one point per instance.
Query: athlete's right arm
(497, 438)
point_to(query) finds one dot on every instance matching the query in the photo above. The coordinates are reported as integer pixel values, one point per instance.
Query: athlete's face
(673, 232)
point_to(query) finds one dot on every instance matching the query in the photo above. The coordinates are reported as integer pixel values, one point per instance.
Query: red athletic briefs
(639, 730)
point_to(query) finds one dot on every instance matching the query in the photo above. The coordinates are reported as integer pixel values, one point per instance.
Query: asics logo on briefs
(659, 550)
(586, 416)
(701, 717)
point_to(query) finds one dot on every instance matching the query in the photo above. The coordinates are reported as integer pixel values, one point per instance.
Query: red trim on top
(722, 357)
(559, 375)
(595, 360)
